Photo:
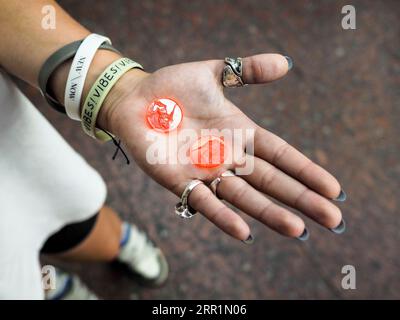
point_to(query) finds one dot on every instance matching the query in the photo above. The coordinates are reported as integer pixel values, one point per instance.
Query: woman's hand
(280, 171)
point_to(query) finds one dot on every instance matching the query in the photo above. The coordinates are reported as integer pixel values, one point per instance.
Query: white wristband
(78, 72)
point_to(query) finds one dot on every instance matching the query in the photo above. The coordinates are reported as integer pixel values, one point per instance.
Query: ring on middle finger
(216, 181)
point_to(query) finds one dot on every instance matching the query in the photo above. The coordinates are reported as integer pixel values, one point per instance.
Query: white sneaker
(69, 287)
(141, 257)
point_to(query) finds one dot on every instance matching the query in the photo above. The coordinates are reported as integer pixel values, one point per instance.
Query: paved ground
(340, 105)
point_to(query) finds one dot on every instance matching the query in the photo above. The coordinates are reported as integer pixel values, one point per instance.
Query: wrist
(57, 81)
(124, 86)
(101, 61)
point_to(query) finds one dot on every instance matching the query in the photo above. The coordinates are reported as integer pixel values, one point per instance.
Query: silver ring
(214, 184)
(233, 72)
(182, 208)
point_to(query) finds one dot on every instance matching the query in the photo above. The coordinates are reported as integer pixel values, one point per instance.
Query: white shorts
(44, 185)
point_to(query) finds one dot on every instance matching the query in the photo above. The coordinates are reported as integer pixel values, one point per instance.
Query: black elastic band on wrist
(53, 62)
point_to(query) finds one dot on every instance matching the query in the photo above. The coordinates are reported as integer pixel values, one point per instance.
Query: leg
(102, 243)
(109, 239)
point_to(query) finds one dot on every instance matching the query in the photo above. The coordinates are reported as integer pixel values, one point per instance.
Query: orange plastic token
(164, 115)
(208, 152)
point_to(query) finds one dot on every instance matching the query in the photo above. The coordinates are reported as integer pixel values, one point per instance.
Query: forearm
(26, 45)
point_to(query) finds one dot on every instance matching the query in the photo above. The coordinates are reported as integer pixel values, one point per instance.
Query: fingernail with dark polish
(340, 228)
(290, 62)
(249, 240)
(341, 197)
(304, 236)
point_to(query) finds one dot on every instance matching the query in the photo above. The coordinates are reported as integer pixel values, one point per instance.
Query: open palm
(280, 171)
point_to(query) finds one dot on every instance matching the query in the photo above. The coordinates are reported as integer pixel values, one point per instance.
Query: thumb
(260, 68)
